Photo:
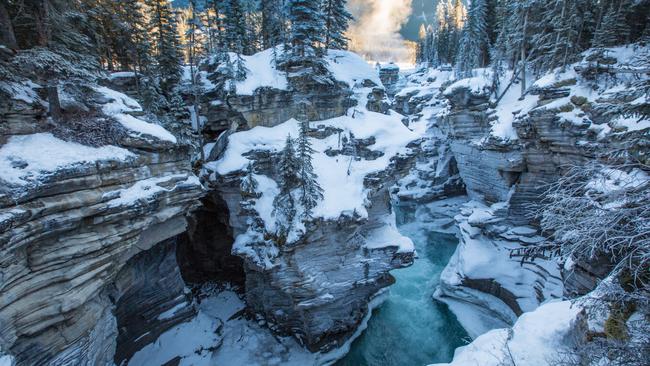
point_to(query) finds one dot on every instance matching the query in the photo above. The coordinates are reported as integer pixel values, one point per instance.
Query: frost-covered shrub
(59, 63)
(620, 329)
(597, 210)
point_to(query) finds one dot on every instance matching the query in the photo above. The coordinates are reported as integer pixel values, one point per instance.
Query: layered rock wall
(269, 106)
(72, 241)
(319, 287)
(506, 154)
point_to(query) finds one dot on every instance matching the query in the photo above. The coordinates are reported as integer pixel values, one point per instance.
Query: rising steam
(374, 33)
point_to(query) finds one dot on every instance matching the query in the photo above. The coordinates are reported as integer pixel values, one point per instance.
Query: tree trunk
(42, 20)
(195, 91)
(523, 55)
(53, 100)
(556, 46)
(7, 36)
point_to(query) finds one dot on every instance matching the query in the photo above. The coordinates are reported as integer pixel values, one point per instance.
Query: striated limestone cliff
(319, 286)
(82, 273)
(504, 154)
(318, 283)
(269, 95)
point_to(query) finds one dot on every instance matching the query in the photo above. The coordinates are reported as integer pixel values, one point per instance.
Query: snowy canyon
(128, 240)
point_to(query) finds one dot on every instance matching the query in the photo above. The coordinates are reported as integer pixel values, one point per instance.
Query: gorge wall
(105, 227)
(318, 284)
(82, 268)
(505, 154)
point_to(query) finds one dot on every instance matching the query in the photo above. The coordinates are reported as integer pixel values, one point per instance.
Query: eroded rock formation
(81, 267)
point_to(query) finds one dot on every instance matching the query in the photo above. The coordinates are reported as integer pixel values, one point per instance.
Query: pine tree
(141, 51)
(215, 25)
(307, 28)
(152, 96)
(273, 20)
(474, 42)
(162, 27)
(613, 28)
(430, 49)
(284, 208)
(289, 165)
(195, 35)
(235, 35)
(248, 185)
(312, 192)
(177, 107)
(195, 51)
(559, 30)
(450, 18)
(240, 68)
(234, 26)
(253, 24)
(337, 21)
(520, 20)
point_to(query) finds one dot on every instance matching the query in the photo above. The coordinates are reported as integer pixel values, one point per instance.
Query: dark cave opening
(204, 250)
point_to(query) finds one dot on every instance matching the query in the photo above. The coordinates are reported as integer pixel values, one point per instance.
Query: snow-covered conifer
(307, 28)
(445, 37)
(248, 185)
(337, 20)
(162, 26)
(563, 24)
(613, 28)
(152, 97)
(273, 22)
(474, 42)
(240, 68)
(312, 192)
(177, 107)
(234, 26)
(284, 208)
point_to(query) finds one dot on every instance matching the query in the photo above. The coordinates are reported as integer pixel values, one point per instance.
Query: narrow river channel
(411, 328)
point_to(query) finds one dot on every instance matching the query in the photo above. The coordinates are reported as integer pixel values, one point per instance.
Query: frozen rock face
(389, 75)
(268, 96)
(270, 107)
(80, 227)
(151, 298)
(483, 273)
(318, 283)
(435, 175)
(504, 154)
(318, 287)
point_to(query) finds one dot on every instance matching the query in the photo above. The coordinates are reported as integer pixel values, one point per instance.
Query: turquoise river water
(411, 328)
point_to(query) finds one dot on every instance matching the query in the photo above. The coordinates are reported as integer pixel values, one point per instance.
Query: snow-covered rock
(504, 153)
(539, 337)
(484, 284)
(268, 96)
(317, 285)
(81, 228)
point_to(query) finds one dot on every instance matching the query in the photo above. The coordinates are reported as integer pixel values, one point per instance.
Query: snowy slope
(118, 107)
(350, 68)
(537, 338)
(344, 193)
(29, 158)
(260, 72)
